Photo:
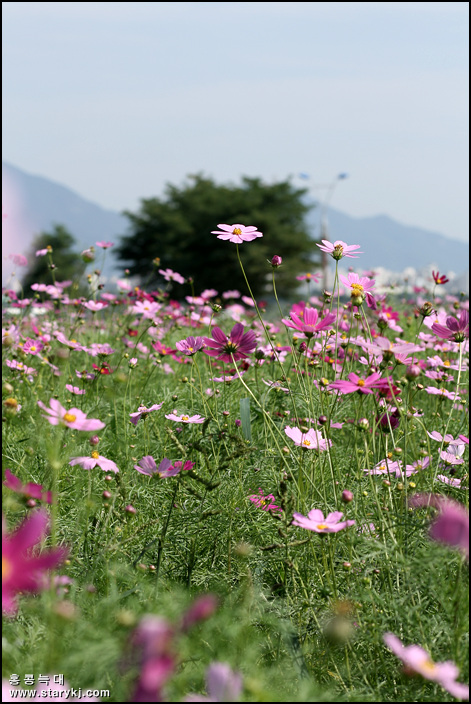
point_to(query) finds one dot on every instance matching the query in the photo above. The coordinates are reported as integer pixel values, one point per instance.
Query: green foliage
(177, 229)
(65, 262)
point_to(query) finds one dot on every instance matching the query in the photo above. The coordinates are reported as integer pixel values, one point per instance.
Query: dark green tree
(177, 230)
(67, 263)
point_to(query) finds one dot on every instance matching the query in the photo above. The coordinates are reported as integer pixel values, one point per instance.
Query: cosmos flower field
(207, 497)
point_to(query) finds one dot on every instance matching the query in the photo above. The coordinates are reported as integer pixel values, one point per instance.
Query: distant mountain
(33, 204)
(388, 243)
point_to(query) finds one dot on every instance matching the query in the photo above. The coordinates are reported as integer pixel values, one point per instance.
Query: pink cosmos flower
(222, 684)
(360, 288)
(310, 321)
(312, 440)
(355, 383)
(339, 249)
(386, 467)
(185, 418)
(456, 330)
(18, 259)
(309, 277)
(32, 346)
(73, 418)
(439, 279)
(232, 293)
(41, 252)
(316, 522)
(104, 245)
(444, 393)
(449, 458)
(20, 367)
(165, 469)
(451, 526)
(170, 275)
(22, 570)
(190, 346)
(74, 390)
(95, 460)
(264, 501)
(142, 412)
(451, 481)
(29, 491)
(95, 306)
(417, 661)
(237, 346)
(237, 233)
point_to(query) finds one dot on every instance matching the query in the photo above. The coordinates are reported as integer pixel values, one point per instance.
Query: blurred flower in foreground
(451, 526)
(316, 522)
(222, 684)
(21, 569)
(29, 491)
(73, 418)
(418, 662)
(237, 233)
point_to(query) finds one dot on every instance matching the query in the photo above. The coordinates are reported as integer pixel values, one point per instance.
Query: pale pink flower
(18, 259)
(22, 568)
(170, 275)
(237, 233)
(309, 277)
(316, 522)
(74, 390)
(41, 252)
(386, 467)
(451, 481)
(222, 684)
(311, 440)
(451, 395)
(104, 245)
(233, 293)
(165, 469)
(339, 249)
(95, 460)
(148, 309)
(418, 661)
(360, 288)
(95, 306)
(142, 412)
(73, 418)
(185, 418)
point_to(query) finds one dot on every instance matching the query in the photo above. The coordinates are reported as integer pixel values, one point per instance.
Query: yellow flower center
(190, 349)
(357, 289)
(429, 665)
(306, 442)
(184, 418)
(70, 418)
(308, 276)
(262, 502)
(446, 363)
(33, 348)
(361, 382)
(6, 568)
(95, 455)
(236, 231)
(322, 526)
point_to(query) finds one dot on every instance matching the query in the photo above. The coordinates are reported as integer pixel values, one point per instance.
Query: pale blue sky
(116, 99)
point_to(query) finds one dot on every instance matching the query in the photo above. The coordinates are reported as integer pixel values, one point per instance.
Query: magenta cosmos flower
(360, 288)
(311, 440)
(21, 570)
(228, 349)
(456, 330)
(355, 383)
(185, 419)
(142, 412)
(237, 233)
(339, 249)
(29, 491)
(264, 501)
(95, 460)
(165, 469)
(316, 522)
(418, 661)
(310, 322)
(190, 346)
(73, 418)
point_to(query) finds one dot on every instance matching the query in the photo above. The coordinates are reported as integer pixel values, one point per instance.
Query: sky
(117, 99)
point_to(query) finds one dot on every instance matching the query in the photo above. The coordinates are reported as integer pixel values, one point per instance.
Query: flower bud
(94, 440)
(276, 261)
(347, 496)
(363, 424)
